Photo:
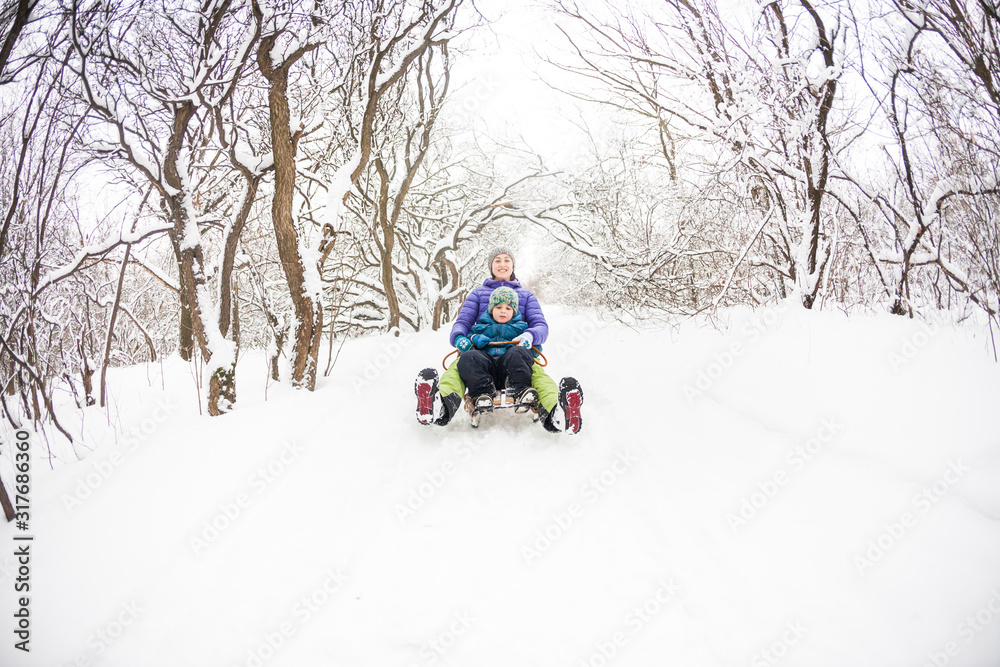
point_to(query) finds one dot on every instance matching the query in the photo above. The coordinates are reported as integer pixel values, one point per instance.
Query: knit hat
(499, 250)
(502, 295)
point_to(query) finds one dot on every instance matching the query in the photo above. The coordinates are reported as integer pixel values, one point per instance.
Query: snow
(103, 247)
(339, 187)
(223, 350)
(192, 235)
(128, 137)
(434, 24)
(281, 52)
(313, 281)
(805, 489)
(244, 155)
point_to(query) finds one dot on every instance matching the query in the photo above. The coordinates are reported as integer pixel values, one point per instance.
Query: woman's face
(503, 267)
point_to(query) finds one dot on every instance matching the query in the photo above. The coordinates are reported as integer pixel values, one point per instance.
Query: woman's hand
(463, 344)
(525, 340)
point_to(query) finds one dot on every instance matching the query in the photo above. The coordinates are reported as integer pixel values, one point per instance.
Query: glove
(525, 340)
(480, 341)
(463, 344)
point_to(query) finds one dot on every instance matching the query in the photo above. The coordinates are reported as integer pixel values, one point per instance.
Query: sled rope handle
(543, 363)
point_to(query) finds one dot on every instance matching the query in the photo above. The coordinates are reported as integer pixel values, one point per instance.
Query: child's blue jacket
(487, 326)
(476, 304)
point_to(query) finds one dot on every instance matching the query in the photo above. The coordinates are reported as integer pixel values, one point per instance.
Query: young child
(489, 366)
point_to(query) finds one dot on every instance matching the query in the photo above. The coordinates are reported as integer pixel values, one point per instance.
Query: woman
(439, 401)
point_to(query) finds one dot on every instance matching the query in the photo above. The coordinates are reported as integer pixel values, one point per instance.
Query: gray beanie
(500, 250)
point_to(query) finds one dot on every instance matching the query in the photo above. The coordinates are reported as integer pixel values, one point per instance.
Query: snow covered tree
(38, 128)
(754, 107)
(435, 214)
(365, 68)
(153, 76)
(936, 84)
(287, 37)
(15, 18)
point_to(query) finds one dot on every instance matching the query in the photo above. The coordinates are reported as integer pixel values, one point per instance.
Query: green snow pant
(548, 392)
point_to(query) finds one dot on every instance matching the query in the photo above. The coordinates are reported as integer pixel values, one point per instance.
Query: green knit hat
(502, 295)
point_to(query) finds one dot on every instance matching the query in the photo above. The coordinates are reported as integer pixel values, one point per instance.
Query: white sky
(497, 80)
(504, 95)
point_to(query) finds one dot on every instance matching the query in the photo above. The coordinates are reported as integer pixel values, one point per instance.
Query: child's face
(502, 313)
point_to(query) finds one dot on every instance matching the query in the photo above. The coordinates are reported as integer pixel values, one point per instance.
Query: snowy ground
(803, 490)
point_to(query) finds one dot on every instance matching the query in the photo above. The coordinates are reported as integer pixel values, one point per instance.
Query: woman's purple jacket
(479, 298)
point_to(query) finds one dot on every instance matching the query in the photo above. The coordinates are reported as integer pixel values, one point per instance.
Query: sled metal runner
(502, 401)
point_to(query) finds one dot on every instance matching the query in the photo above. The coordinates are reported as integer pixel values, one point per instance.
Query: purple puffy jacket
(479, 298)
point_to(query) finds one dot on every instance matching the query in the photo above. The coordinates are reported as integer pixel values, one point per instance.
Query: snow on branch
(99, 250)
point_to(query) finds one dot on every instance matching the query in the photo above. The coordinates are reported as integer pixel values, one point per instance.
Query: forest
(757, 240)
(201, 179)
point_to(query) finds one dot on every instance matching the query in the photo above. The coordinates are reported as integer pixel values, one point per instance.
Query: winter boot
(570, 399)
(524, 398)
(426, 389)
(450, 403)
(483, 402)
(547, 420)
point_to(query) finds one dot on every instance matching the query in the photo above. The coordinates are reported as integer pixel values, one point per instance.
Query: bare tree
(407, 157)
(934, 81)
(299, 273)
(755, 109)
(38, 133)
(161, 122)
(15, 17)
(374, 45)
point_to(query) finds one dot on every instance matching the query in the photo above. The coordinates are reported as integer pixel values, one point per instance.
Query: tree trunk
(222, 391)
(8, 509)
(222, 385)
(308, 325)
(185, 342)
(386, 244)
(106, 358)
(21, 18)
(191, 264)
(226, 307)
(236, 318)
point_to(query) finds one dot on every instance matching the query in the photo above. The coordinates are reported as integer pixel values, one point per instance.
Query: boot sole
(425, 388)
(571, 398)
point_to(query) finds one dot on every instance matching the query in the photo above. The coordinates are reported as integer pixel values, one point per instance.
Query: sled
(502, 401)
(570, 398)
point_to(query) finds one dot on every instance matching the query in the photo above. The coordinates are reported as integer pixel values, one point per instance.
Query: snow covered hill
(803, 490)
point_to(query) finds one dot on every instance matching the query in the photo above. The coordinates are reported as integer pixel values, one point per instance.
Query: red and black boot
(570, 399)
(426, 389)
